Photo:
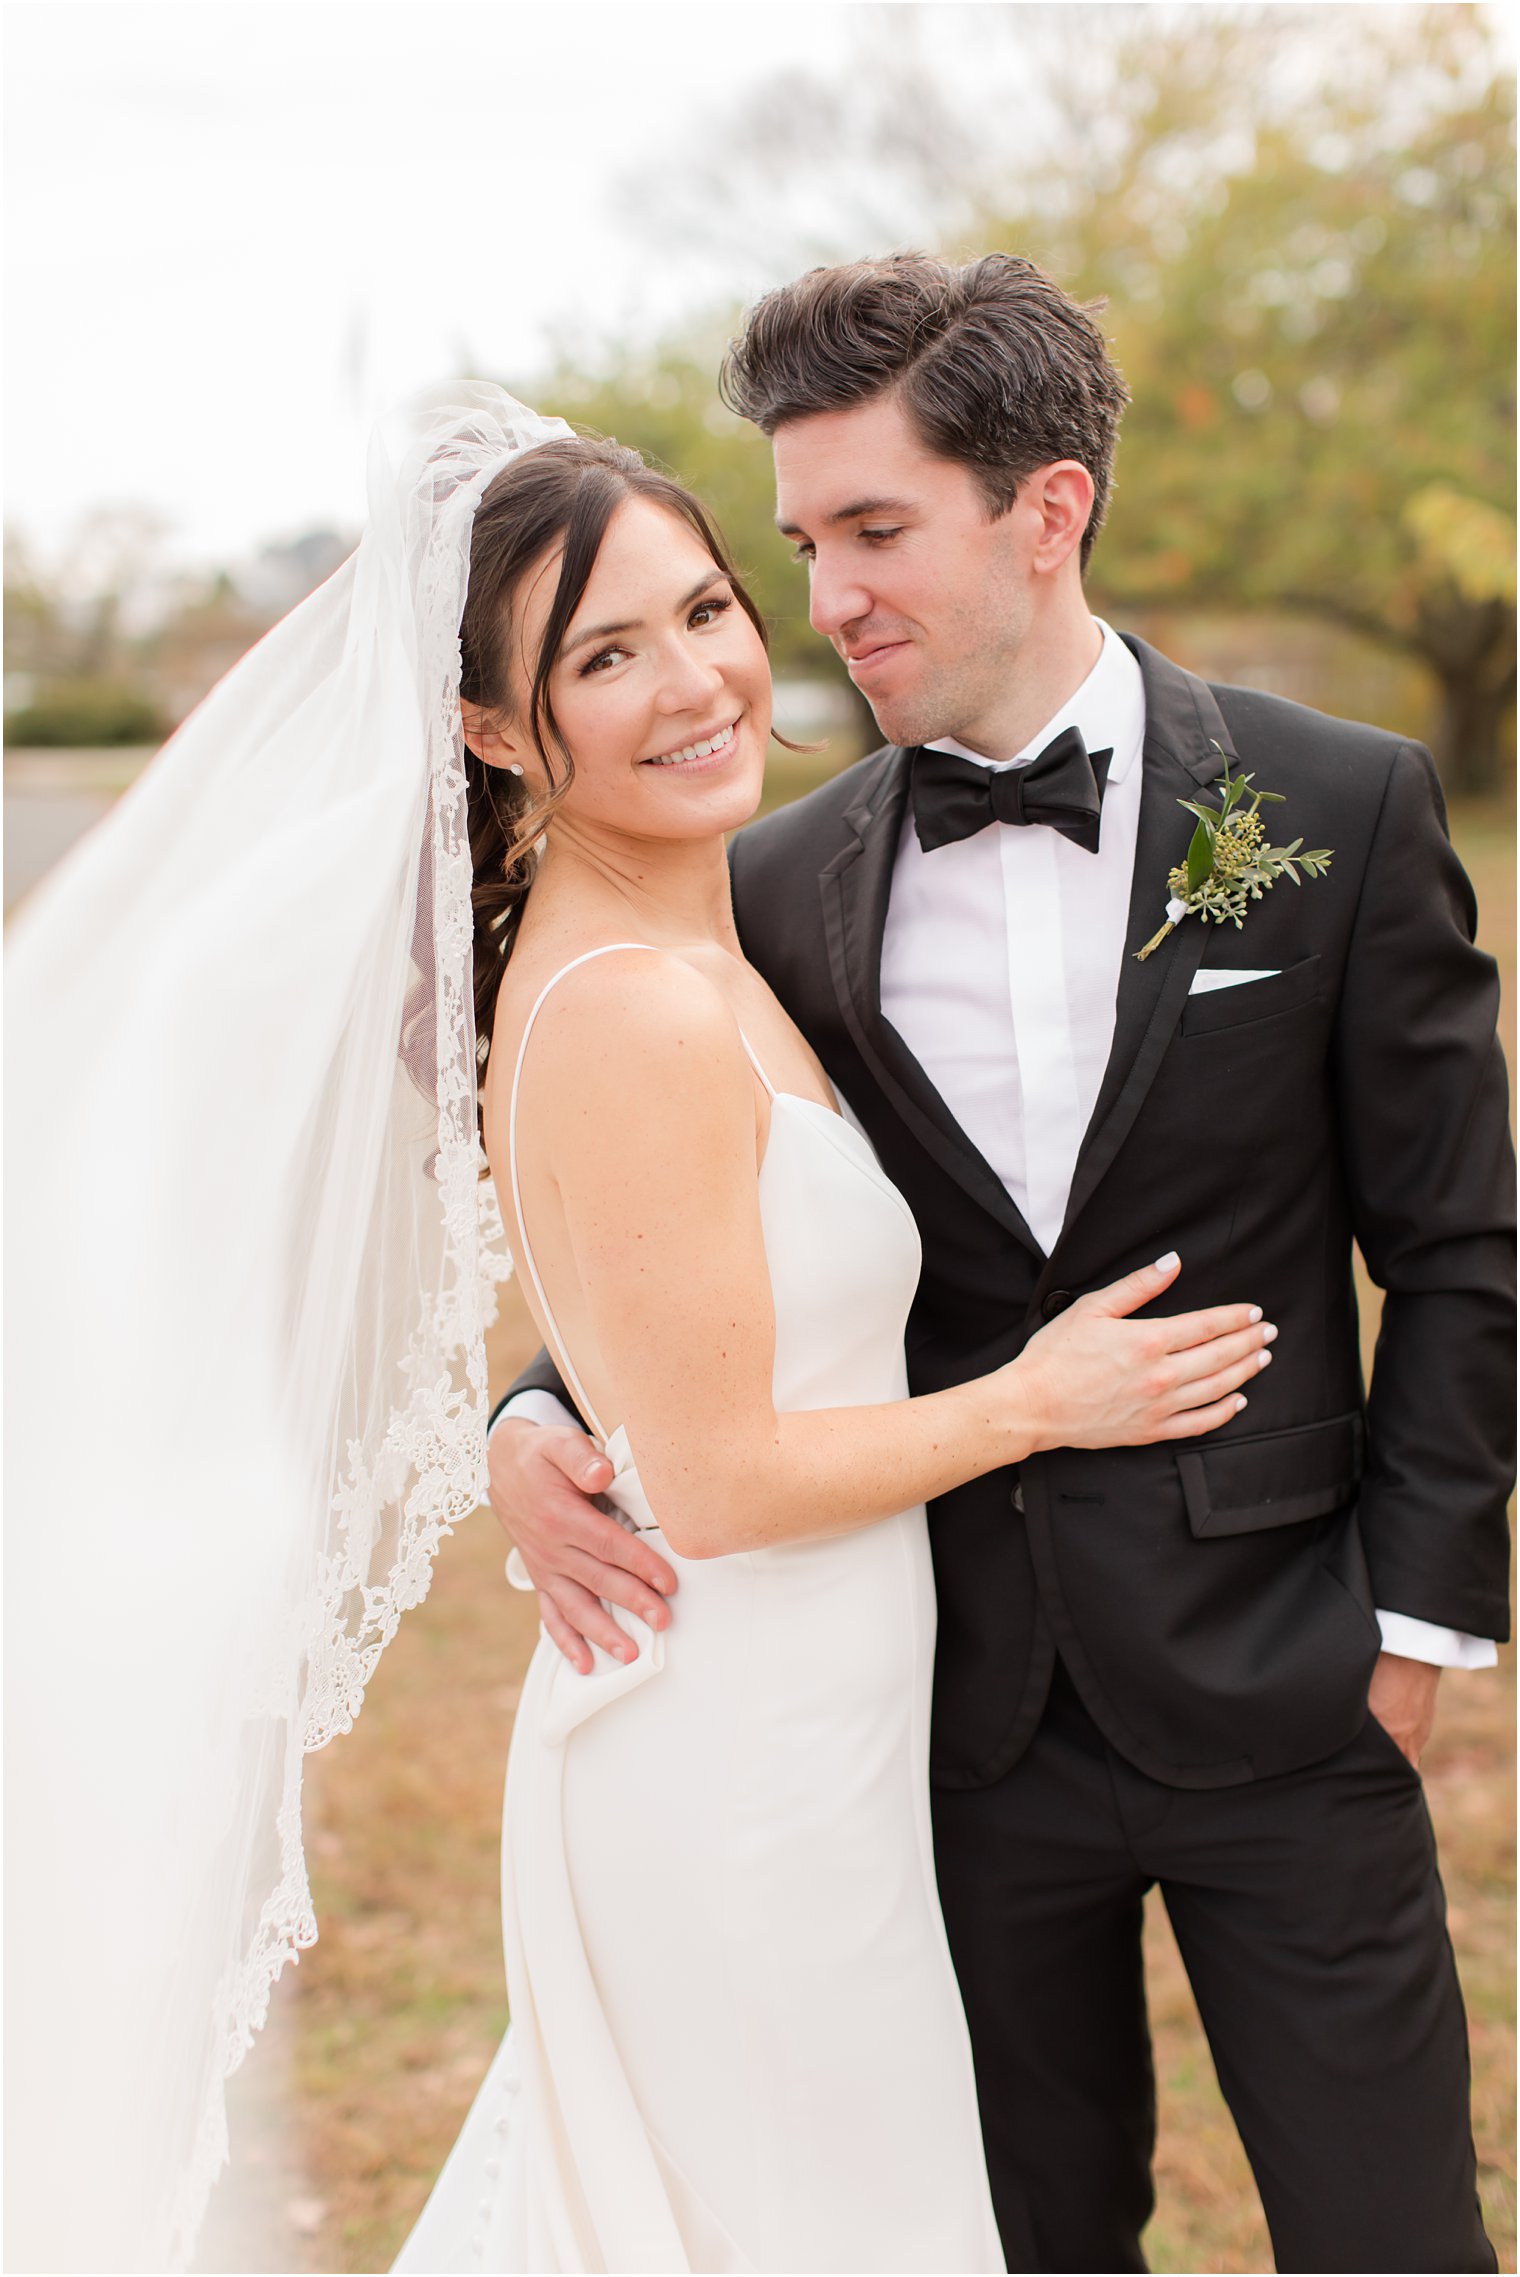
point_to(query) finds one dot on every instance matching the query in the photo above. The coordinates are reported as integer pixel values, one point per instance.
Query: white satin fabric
(737, 2041)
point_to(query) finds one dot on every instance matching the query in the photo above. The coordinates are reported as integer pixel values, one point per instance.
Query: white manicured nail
(1169, 1262)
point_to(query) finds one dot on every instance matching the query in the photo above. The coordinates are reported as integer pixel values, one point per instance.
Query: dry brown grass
(393, 2018)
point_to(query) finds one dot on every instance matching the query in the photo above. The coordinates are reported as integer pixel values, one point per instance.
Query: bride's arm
(639, 1097)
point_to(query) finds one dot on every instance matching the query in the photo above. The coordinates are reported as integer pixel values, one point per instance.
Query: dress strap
(583, 1399)
(607, 949)
(770, 1088)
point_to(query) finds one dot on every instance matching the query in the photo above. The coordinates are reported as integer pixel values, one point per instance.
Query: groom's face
(927, 596)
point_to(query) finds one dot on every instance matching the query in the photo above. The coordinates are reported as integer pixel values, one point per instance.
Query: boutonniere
(1229, 862)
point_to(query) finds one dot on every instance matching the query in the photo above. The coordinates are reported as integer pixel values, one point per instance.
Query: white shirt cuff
(1426, 1640)
(536, 1407)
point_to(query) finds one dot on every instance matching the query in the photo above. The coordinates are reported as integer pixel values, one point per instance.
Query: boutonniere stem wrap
(1229, 863)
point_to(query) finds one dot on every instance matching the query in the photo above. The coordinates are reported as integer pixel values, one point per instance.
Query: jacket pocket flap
(1275, 1480)
(1253, 1000)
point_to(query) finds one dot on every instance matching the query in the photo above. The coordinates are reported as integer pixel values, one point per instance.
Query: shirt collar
(1108, 708)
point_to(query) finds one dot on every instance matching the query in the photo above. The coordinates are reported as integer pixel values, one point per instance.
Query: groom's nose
(836, 599)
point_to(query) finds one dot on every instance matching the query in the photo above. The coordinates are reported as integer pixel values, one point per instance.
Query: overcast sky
(236, 226)
(237, 229)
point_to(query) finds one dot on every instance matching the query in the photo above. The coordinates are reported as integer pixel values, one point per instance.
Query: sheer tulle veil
(251, 1264)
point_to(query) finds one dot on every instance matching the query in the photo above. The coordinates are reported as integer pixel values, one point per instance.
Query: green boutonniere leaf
(1200, 856)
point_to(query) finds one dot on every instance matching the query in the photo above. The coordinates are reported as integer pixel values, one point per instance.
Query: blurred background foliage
(1304, 230)
(1302, 220)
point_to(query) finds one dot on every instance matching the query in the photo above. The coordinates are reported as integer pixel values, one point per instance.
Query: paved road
(52, 798)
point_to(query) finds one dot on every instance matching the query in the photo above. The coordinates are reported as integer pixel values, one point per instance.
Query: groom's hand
(543, 1480)
(1402, 1695)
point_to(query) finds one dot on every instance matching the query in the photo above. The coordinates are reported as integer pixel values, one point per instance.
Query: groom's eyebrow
(635, 624)
(857, 511)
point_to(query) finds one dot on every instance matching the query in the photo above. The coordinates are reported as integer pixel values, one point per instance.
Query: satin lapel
(856, 887)
(1182, 725)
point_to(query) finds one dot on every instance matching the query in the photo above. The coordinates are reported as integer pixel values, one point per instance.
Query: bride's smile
(717, 746)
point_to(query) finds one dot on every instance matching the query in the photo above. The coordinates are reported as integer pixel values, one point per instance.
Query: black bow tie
(1062, 788)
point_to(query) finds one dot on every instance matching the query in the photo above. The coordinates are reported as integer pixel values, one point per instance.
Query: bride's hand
(1095, 1378)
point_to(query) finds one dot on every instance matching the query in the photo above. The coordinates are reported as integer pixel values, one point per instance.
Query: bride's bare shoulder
(628, 1021)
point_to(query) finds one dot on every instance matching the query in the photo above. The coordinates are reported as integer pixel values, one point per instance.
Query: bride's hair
(561, 494)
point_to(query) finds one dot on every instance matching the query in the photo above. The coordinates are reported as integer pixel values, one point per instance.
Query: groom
(1210, 1669)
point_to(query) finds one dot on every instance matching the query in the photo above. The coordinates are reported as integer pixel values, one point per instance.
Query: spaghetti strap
(583, 1398)
(749, 1049)
(607, 948)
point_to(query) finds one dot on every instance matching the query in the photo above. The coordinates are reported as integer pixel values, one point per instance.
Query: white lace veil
(251, 1264)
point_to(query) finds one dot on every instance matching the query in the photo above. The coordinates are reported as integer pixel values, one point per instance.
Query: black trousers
(1310, 1916)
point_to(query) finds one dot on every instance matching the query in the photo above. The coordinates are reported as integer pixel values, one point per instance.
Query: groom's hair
(993, 363)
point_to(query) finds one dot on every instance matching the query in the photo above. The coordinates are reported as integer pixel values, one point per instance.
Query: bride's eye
(602, 656)
(710, 610)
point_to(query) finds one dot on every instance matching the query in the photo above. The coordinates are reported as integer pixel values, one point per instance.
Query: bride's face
(661, 688)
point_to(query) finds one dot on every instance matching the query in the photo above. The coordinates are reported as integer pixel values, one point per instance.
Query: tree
(1303, 221)
(72, 663)
(1321, 366)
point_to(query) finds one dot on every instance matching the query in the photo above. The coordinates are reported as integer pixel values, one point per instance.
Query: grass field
(389, 2024)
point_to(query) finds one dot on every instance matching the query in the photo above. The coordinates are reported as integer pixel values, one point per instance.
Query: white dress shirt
(1000, 970)
(1002, 952)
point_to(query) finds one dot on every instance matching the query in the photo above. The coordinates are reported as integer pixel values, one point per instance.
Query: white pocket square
(1222, 977)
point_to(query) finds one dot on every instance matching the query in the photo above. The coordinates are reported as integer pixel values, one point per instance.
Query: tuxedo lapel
(856, 887)
(1182, 726)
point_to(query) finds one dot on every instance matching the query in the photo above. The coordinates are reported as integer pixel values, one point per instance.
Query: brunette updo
(560, 496)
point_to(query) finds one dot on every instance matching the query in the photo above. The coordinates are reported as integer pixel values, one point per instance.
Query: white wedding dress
(737, 2041)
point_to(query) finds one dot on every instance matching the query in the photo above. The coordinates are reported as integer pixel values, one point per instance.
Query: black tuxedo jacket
(1213, 1599)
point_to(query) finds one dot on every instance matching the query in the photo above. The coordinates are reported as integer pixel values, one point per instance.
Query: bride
(736, 2038)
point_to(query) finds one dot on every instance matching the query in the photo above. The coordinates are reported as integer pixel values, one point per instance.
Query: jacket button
(1017, 1499)
(1057, 1301)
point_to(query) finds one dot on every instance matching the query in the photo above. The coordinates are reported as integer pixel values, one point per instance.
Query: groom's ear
(1060, 497)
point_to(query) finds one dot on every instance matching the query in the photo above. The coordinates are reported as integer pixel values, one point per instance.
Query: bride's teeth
(696, 750)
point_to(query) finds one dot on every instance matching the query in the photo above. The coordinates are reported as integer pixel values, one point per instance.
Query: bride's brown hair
(560, 495)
